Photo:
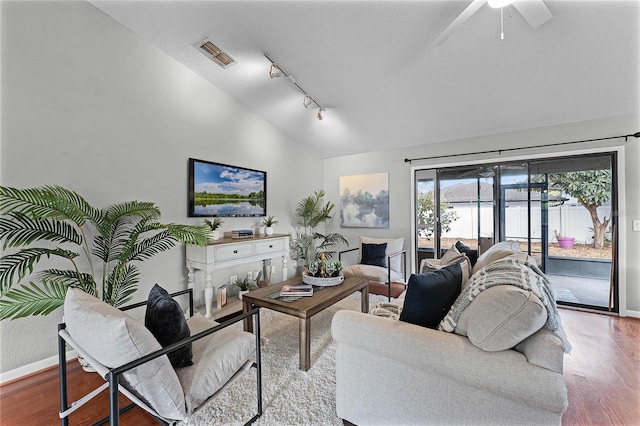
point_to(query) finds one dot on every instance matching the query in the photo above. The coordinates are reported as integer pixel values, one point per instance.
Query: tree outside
(591, 188)
(427, 214)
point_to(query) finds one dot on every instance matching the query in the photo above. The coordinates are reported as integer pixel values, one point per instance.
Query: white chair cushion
(372, 272)
(113, 339)
(394, 245)
(216, 358)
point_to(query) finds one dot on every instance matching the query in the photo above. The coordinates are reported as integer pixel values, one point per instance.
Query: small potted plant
(268, 222)
(244, 285)
(214, 225)
(564, 242)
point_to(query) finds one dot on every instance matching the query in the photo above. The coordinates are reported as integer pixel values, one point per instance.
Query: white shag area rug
(289, 396)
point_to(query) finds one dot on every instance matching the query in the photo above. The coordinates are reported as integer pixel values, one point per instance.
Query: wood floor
(602, 374)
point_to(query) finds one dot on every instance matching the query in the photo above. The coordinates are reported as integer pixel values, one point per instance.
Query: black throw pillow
(374, 254)
(472, 254)
(165, 319)
(430, 296)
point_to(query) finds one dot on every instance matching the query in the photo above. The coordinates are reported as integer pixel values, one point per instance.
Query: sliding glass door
(560, 211)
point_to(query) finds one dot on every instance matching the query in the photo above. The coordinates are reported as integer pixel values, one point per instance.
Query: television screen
(227, 191)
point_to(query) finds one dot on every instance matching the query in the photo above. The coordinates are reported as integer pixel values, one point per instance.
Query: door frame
(621, 249)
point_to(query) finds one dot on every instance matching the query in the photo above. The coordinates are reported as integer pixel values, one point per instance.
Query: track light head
(320, 113)
(275, 71)
(308, 100)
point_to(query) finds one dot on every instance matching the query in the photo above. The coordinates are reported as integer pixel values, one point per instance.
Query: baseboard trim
(34, 367)
(633, 314)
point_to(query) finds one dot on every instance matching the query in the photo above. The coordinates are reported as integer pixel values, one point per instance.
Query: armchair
(132, 361)
(383, 261)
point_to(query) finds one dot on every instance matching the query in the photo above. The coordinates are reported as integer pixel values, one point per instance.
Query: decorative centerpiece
(323, 274)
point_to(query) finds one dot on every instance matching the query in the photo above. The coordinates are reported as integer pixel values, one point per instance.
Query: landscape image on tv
(222, 190)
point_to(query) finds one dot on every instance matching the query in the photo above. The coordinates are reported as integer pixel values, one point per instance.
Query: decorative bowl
(322, 282)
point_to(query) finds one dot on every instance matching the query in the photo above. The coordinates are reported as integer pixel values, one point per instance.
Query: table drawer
(269, 246)
(233, 251)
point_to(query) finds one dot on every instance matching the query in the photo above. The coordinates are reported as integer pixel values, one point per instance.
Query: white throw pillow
(394, 245)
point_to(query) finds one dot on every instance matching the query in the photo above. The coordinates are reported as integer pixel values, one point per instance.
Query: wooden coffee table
(305, 307)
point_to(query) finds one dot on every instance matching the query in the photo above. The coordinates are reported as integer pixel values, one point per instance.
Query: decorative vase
(566, 242)
(241, 292)
(215, 235)
(269, 230)
(261, 230)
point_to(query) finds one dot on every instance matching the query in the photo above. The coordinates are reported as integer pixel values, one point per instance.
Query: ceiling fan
(535, 12)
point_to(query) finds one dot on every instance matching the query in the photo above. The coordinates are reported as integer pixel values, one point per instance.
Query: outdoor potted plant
(564, 242)
(268, 223)
(214, 226)
(101, 246)
(244, 285)
(314, 220)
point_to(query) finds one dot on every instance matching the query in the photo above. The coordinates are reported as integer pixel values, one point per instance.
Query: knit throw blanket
(516, 272)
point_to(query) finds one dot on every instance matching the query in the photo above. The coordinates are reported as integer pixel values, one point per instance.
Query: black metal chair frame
(114, 374)
(402, 253)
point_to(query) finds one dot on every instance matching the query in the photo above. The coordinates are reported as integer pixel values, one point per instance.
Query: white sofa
(396, 373)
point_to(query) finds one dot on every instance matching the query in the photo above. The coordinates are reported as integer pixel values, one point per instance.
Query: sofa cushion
(451, 257)
(543, 348)
(113, 338)
(374, 254)
(500, 317)
(430, 296)
(496, 252)
(394, 245)
(472, 254)
(166, 321)
(216, 358)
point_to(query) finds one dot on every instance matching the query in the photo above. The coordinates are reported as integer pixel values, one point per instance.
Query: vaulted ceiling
(373, 66)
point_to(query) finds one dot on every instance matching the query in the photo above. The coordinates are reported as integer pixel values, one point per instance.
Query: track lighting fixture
(307, 101)
(276, 71)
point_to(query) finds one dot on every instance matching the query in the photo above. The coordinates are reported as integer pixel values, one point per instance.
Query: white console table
(229, 251)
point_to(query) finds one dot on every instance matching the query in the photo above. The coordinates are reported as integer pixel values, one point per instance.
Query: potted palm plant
(101, 247)
(314, 221)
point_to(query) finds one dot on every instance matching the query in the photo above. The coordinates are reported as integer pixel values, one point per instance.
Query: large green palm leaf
(19, 230)
(70, 278)
(121, 284)
(33, 299)
(16, 266)
(47, 202)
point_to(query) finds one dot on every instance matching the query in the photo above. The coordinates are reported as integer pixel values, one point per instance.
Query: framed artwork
(364, 201)
(222, 296)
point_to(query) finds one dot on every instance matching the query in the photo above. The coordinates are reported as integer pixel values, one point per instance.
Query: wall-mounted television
(226, 191)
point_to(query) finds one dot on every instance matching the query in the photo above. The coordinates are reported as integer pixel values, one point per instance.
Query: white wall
(400, 177)
(91, 106)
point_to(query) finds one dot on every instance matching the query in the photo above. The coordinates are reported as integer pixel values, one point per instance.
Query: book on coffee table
(297, 290)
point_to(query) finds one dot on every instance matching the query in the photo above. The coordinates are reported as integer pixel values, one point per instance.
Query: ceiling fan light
(497, 4)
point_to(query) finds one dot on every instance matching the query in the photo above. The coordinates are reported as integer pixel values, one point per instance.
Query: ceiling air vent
(216, 54)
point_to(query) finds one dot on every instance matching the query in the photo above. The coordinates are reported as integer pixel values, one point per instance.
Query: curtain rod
(500, 151)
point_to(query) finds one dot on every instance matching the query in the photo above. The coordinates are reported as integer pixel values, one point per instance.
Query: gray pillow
(113, 339)
(500, 317)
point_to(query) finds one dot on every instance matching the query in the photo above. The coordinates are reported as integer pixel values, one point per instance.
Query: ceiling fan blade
(457, 23)
(535, 12)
